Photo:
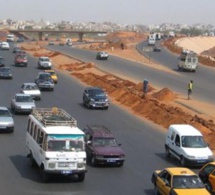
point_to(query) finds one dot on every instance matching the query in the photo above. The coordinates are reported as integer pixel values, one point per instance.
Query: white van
(188, 60)
(151, 39)
(55, 144)
(5, 46)
(10, 38)
(186, 143)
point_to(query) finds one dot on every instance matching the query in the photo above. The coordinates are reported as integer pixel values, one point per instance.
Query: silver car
(44, 62)
(22, 103)
(31, 89)
(6, 120)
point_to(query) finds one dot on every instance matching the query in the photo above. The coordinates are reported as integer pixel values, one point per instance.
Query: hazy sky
(118, 11)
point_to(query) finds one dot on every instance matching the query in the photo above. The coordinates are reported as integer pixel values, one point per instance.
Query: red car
(21, 60)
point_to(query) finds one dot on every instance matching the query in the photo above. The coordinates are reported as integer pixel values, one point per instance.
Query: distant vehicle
(157, 49)
(55, 144)
(44, 63)
(31, 89)
(5, 46)
(10, 38)
(6, 120)
(95, 97)
(207, 175)
(188, 60)
(102, 147)
(171, 34)
(21, 60)
(69, 42)
(22, 103)
(101, 55)
(20, 39)
(53, 75)
(44, 81)
(6, 73)
(51, 42)
(151, 39)
(2, 61)
(177, 181)
(16, 49)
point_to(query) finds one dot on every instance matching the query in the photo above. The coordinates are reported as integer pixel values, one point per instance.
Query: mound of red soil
(164, 95)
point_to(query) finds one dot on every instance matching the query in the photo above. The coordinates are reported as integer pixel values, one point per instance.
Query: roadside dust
(159, 106)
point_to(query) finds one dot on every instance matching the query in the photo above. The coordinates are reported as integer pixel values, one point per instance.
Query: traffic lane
(203, 87)
(126, 127)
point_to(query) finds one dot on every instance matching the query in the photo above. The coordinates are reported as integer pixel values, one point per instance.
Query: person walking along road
(190, 89)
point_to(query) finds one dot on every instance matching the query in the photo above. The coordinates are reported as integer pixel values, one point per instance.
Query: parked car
(21, 60)
(101, 55)
(101, 147)
(2, 61)
(22, 103)
(207, 175)
(16, 49)
(31, 89)
(177, 181)
(44, 63)
(6, 120)
(6, 73)
(53, 75)
(5, 46)
(44, 81)
(95, 97)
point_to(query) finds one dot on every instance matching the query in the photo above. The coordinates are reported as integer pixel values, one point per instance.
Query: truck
(188, 60)
(55, 144)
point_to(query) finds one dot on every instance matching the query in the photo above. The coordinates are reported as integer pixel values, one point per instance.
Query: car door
(164, 183)
(85, 96)
(176, 146)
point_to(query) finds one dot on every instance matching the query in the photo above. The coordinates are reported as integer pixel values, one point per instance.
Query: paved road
(142, 141)
(204, 78)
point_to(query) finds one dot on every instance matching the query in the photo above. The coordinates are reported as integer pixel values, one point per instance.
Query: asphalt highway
(204, 77)
(142, 141)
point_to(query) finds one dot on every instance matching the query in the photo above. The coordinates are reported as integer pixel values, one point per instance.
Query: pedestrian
(190, 89)
(145, 87)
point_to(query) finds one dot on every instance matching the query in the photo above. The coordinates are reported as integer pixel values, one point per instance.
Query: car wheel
(93, 161)
(120, 164)
(156, 191)
(88, 105)
(81, 177)
(44, 175)
(32, 161)
(208, 186)
(167, 152)
(106, 107)
(182, 161)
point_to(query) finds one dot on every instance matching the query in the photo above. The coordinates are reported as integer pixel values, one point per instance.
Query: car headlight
(99, 156)
(190, 157)
(10, 124)
(210, 157)
(106, 100)
(51, 165)
(91, 99)
(81, 165)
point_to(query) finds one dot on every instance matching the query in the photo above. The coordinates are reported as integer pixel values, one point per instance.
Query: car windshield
(5, 113)
(45, 76)
(97, 93)
(22, 56)
(44, 59)
(31, 87)
(187, 182)
(24, 99)
(193, 142)
(5, 70)
(66, 144)
(111, 142)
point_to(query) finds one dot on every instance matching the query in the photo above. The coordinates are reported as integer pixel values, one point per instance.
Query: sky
(143, 12)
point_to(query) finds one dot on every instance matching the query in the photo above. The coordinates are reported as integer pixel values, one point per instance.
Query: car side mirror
(119, 144)
(177, 144)
(89, 142)
(167, 184)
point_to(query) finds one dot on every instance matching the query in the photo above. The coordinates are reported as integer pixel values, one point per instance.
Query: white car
(5, 46)
(22, 103)
(6, 120)
(102, 55)
(31, 89)
(44, 63)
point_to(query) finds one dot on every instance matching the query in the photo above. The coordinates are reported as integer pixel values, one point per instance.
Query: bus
(55, 144)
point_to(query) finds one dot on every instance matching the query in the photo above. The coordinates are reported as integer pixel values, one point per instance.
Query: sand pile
(164, 95)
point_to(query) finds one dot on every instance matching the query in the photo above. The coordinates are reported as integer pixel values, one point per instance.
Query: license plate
(111, 160)
(66, 172)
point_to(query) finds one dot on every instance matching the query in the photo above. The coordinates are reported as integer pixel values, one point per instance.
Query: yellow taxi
(178, 181)
(207, 175)
(53, 75)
